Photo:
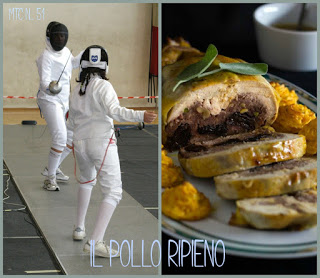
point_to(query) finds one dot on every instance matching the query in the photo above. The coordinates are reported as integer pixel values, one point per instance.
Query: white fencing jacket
(50, 66)
(91, 115)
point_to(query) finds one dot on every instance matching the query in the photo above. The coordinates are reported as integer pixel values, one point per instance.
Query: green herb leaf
(192, 71)
(245, 68)
(178, 84)
(209, 73)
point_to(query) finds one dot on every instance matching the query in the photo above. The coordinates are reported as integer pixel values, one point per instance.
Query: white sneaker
(50, 184)
(101, 250)
(79, 234)
(60, 176)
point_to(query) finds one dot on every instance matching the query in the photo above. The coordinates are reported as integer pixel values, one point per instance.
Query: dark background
(230, 28)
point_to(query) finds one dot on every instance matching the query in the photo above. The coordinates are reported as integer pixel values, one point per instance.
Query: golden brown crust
(237, 219)
(270, 185)
(177, 49)
(246, 157)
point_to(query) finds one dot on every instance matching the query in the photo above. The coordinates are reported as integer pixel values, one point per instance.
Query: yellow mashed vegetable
(286, 96)
(292, 118)
(171, 175)
(310, 132)
(185, 202)
(166, 160)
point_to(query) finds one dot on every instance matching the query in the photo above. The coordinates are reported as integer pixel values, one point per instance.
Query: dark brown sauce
(293, 27)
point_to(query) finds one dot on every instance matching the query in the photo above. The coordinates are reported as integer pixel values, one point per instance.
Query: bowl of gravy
(282, 42)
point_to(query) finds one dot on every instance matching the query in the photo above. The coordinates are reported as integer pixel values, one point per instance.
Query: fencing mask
(57, 33)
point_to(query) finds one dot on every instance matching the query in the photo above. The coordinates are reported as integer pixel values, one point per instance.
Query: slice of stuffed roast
(215, 105)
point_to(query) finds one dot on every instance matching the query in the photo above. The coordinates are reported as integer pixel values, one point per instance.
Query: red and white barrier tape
(118, 97)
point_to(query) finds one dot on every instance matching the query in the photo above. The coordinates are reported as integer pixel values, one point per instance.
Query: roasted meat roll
(221, 104)
(240, 152)
(297, 210)
(269, 180)
(177, 49)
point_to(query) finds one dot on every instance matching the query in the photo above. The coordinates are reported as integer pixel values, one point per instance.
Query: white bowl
(286, 49)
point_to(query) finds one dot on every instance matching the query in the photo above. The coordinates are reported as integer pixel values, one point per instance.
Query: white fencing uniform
(54, 107)
(91, 119)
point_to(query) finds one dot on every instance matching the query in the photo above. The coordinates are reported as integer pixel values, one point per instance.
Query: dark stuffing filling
(223, 143)
(290, 164)
(253, 138)
(242, 115)
(304, 196)
(301, 196)
(227, 142)
(233, 123)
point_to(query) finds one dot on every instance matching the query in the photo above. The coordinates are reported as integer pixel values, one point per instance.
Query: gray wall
(123, 29)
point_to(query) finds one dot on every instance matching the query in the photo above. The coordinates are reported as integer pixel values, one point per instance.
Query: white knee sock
(84, 194)
(64, 154)
(53, 163)
(104, 215)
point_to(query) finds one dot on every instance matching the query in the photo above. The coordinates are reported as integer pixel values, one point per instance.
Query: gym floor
(34, 245)
(24, 249)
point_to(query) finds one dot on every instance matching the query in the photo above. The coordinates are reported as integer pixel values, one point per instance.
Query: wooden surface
(14, 116)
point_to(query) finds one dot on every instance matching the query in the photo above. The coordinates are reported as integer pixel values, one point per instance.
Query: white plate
(243, 250)
(238, 240)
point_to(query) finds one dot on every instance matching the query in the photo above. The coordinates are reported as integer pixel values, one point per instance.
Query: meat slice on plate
(269, 180)
(240, 152)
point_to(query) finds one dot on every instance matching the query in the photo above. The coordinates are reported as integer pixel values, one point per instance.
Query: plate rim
(258, 248)
(247, 243)
(245, 253)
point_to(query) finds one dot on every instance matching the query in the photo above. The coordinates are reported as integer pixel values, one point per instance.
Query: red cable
(75, 163)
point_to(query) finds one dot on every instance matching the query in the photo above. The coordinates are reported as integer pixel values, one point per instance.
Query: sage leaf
(192, 71)
(177, 85)
(209, 73)
(245, 68)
